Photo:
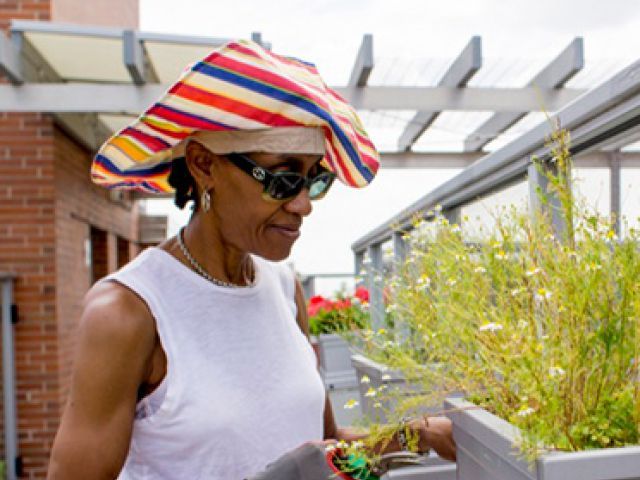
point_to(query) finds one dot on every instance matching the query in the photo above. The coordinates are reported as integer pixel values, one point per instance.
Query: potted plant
(539, 325)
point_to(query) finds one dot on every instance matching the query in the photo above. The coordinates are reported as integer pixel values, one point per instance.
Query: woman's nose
(300, 204)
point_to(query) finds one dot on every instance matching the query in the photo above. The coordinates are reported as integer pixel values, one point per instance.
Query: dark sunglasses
(279, 186)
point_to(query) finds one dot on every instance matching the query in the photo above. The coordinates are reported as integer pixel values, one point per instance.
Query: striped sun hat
(240, 86)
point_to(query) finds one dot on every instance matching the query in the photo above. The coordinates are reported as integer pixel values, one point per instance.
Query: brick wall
(23, 10)
(81, 207)
(27, 248)
(47, 209)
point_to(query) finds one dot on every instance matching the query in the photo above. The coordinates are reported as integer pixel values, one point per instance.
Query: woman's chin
(274, 254)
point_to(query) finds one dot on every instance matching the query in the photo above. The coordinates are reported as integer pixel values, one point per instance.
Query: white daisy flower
(542, 294)
(365, 379)
(371, 392)
(533, 271)
(556, 372)
(351, 404)
(490, 327)
(525, 411)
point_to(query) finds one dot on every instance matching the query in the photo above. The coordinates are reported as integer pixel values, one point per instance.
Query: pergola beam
(439, 160)
(364, 63)
(569, 62)
(132, 99)
(10, 61)
(136, 59)
(401, 160)
(133, 56)
(85, 127)
(459, 73)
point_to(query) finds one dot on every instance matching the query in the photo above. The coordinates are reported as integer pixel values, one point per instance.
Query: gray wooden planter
(395, 381)
(335, 362)
(486, 452)
(375, 371)
(434, 468)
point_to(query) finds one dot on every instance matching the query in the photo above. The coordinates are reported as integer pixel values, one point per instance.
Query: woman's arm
(113, 355)
(436, 433)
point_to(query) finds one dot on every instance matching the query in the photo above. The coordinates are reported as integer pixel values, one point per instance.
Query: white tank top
(241, 387)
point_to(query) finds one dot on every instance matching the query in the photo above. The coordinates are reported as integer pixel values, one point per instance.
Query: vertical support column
(615, 179)
(453, 216)
(309, 286)
(376, 286)
(358, 264)
(538, 185)
(399, 249)
(9, 378)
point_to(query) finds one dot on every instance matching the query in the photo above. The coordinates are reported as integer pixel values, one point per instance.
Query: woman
(192, 360)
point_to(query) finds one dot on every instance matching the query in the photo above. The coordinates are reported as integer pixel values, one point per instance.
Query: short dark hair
(184, 184)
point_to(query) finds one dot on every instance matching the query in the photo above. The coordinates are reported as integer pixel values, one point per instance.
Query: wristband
(402, 434)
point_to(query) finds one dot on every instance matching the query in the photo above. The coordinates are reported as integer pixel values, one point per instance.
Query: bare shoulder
(116, 316)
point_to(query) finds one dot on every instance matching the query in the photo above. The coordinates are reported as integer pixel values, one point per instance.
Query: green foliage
(539, 325)
(340, 315)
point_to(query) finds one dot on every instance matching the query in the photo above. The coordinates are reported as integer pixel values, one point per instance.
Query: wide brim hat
(239, 87)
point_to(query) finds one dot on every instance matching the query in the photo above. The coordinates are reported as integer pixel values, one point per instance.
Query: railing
(603, 116)
(308, 281)
(9, 317)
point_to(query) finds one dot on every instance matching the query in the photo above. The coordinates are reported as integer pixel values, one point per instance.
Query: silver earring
(206, 201)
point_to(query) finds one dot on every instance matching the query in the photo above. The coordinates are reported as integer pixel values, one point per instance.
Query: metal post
(358, 264)
(309, 286)
(8, 378)
(538, 185)
(453, 216)
(376, 286)
(615, 179)
(399, 248)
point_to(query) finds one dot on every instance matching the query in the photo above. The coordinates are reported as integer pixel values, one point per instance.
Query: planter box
(486, 452)
(395, 381)
(434, 468)
(335, 362)
(375, 371)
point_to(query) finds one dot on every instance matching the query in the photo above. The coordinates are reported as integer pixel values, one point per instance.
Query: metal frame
(119, 98)
(606, 112)
(10, 62)
(85, 127)
(364, 63)
(459, 73)
(556, 74)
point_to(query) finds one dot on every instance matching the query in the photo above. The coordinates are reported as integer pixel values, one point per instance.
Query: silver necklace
(201, 271)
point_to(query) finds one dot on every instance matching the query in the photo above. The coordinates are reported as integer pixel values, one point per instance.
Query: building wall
(27, 248)
(117, 13)
(47, 208)
(80, 207)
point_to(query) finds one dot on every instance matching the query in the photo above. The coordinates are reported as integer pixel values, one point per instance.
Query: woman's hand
(436, 433)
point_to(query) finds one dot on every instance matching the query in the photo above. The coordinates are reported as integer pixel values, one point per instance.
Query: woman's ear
(201, 164)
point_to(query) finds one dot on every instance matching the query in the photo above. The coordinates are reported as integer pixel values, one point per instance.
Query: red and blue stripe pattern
(240, 86)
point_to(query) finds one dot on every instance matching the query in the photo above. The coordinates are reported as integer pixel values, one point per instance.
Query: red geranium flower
(317, 303)
(363, 294)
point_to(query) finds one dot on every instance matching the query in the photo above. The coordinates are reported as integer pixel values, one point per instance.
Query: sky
(525, 34)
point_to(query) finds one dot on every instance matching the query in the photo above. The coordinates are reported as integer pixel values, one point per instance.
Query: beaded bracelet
(402, 434)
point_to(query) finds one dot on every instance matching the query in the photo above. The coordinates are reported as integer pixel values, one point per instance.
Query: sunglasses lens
(286, 186)
(320, 185)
